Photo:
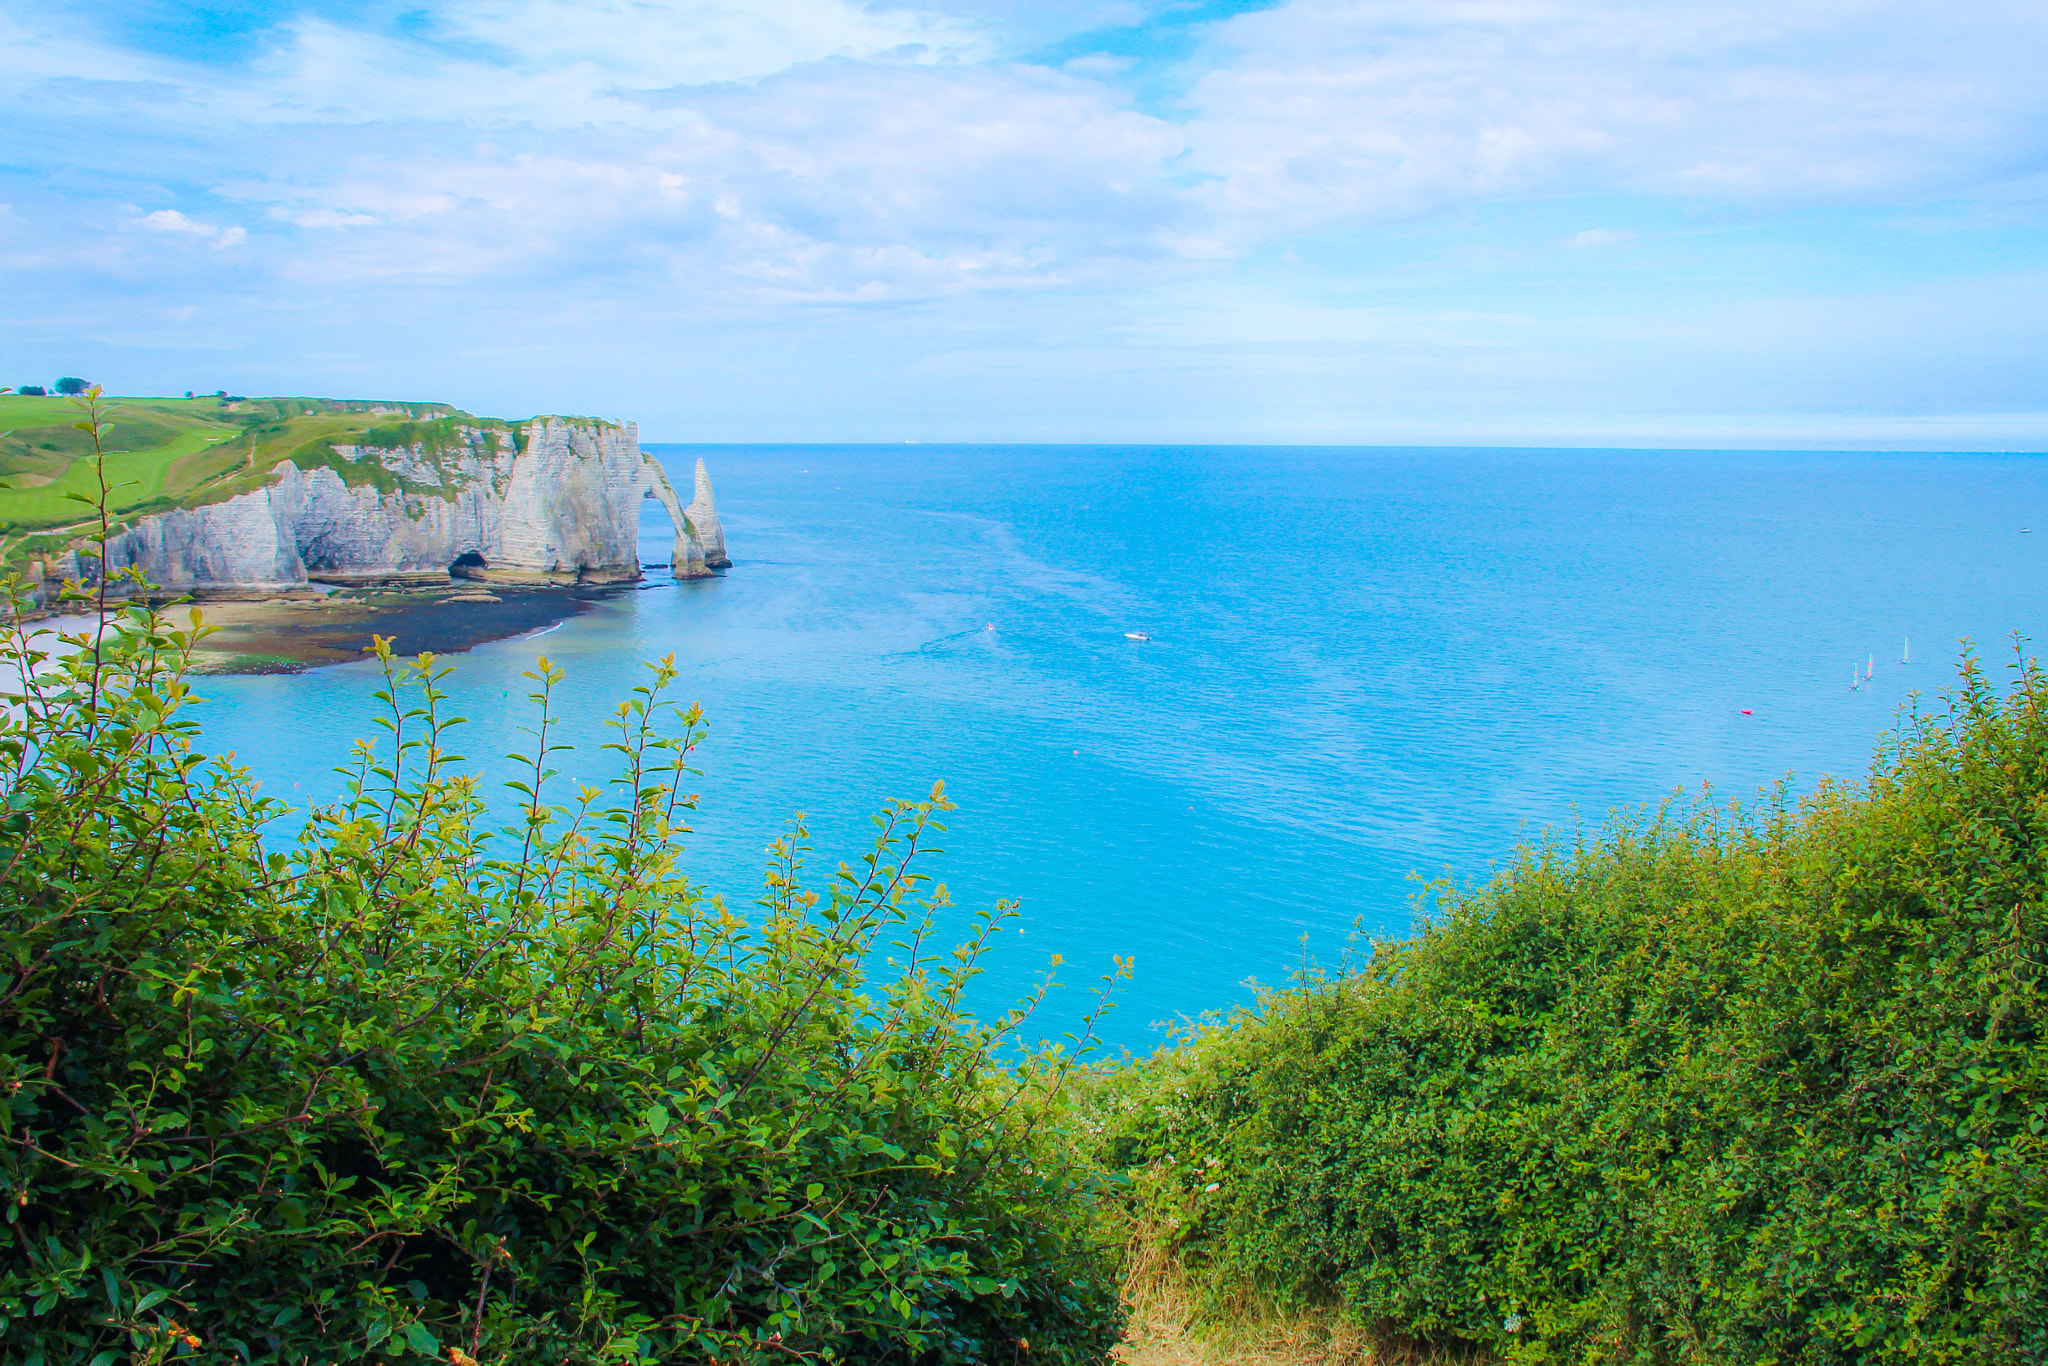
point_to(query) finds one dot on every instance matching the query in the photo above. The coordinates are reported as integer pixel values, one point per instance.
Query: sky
(1495, 222)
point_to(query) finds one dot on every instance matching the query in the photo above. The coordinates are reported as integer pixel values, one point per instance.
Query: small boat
(1870, 669)
(1906, 651)
(1136, 635)
(1855, 678)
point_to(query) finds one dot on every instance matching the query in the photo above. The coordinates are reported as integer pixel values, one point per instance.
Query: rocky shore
(290, 632)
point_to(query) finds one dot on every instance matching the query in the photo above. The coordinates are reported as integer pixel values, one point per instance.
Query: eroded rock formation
(703, 515)
(560, 505)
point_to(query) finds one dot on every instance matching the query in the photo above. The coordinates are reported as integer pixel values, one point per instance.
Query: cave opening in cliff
(467, 564)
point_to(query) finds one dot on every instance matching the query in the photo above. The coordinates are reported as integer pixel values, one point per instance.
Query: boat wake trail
(934, 646)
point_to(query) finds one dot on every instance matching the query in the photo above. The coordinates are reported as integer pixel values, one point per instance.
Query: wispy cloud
(760, 160)
(1323, 109)
(172, 221)
(1596, 237)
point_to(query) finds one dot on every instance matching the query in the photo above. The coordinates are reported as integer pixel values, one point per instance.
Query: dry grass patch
(1171, 1326)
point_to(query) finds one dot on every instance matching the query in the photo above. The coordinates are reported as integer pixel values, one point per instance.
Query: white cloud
(555, 64)
(1596, 237)
(777, 163)
(1098, 64)
(654, 46)
(823, 149)
(324, 218)
(834, 181)
(1323, 111)
(170, 220)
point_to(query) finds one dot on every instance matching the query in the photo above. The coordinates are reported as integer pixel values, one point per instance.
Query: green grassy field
(132, 476)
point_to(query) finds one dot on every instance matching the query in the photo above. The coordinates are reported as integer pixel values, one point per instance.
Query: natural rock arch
(687, 561)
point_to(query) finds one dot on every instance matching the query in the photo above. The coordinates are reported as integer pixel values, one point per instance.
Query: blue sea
(1365, 666)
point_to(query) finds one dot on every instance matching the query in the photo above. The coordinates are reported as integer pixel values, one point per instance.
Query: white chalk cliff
(561, 505)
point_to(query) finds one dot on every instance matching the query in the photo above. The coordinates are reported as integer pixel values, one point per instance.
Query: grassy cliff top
(164, 453)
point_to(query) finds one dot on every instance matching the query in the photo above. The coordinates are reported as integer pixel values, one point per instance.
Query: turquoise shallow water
(1364, 664)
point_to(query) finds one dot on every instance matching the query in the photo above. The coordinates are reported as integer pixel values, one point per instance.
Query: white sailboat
(1906, 650)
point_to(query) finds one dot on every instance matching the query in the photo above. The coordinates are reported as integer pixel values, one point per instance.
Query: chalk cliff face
(564, 505)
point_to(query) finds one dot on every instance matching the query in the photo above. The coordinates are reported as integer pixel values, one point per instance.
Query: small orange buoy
(1745, 711)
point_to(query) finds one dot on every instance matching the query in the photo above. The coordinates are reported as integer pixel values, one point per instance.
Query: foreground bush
(403, 1090)
(1752, 1085)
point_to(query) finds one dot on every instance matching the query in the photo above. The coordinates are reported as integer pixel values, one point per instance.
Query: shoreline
(294, 630)
(302, 629)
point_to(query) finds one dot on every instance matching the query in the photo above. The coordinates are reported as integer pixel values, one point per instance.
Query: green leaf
(655, 1117)
(422, 1340)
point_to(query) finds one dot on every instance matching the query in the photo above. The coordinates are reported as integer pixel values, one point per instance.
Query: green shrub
(405, 1088)
(1738, 1085)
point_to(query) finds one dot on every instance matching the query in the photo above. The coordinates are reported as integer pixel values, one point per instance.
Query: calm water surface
(1365, 664)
